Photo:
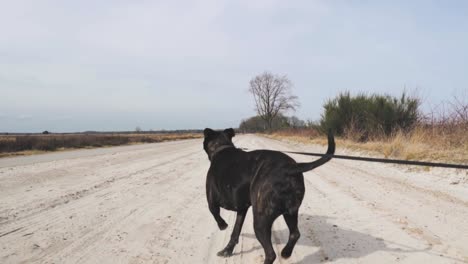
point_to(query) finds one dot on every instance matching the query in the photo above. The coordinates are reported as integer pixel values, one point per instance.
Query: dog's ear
(208, 132)
(230, 132)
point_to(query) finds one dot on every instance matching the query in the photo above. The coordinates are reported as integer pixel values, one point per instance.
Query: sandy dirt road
(146, 204)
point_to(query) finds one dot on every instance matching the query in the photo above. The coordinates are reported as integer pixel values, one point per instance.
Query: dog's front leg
(213, 205)
(227, 251)
(214, 209)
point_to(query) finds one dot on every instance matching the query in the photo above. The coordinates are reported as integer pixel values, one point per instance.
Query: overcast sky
(114, 65)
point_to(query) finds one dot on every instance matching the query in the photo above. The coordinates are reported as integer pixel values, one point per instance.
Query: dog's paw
(222, 225)
(286, 253)
(225, 253)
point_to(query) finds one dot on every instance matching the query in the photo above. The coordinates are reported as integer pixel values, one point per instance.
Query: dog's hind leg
(227, 251)
(291, 221)
(262, 227)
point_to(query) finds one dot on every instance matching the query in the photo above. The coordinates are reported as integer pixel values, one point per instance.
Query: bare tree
(272, 94)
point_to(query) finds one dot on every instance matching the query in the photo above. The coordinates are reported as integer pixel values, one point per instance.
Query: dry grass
(12, 145)
(423, 143)
(440, 135)
(23, 153)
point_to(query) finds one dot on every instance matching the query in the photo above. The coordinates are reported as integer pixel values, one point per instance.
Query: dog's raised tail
(303, 167)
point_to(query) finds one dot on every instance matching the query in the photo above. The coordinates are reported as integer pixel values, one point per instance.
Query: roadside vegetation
(390, 126)
(397, 127)
(35, 143)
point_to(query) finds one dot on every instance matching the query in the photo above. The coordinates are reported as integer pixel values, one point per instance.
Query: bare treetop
(272, 95)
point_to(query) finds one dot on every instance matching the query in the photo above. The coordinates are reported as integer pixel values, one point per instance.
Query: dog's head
(215, 140)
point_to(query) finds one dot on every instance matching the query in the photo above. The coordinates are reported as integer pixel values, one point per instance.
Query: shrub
(374, 115)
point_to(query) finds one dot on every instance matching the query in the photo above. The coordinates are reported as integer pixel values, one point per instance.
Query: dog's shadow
(347, 244)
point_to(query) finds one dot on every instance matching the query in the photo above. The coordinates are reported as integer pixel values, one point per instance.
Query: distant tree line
(257, 124)
(361, 115)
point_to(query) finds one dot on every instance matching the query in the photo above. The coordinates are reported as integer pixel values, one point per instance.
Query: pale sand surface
(146, 204)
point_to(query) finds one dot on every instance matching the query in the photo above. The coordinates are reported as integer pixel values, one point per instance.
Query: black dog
(270, 181)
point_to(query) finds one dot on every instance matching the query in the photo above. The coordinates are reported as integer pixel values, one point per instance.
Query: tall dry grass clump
(426, 143)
